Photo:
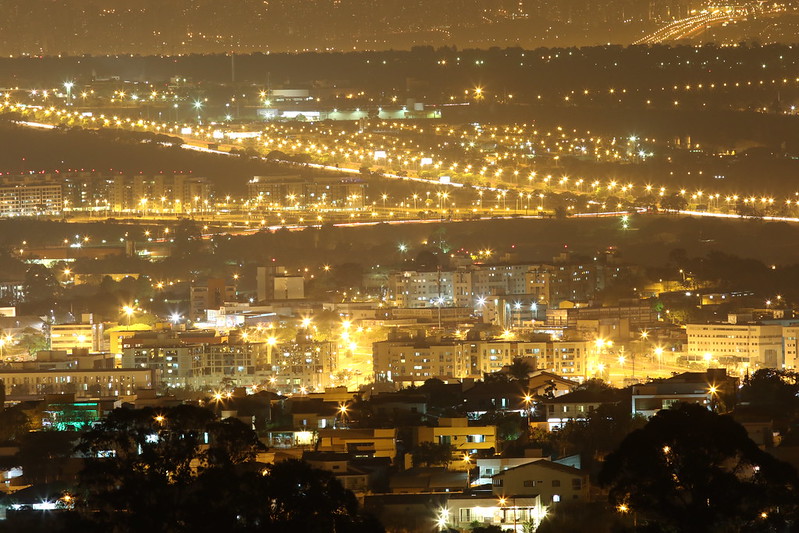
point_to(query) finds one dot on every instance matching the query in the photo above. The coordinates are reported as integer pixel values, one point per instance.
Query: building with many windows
(414, 360)
(86, 336)
(737, 345)
(294, 191)
(469, 286)
(302, 365)
(31, 199)
(198, 360)
(94, 383)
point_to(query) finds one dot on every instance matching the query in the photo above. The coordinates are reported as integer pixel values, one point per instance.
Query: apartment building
(209, 294)
(544, 283)
(415, 360)
(304, 364)
(83, 383)
(29, 199)
(412, 361)
(199, 361)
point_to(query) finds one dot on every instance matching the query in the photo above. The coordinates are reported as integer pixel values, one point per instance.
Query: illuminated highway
(689, 27)
(495, 198)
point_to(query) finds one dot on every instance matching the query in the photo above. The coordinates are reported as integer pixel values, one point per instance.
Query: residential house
(579, 404)
(553, 482)
(363, 442)
(713, 388)
(465, 438)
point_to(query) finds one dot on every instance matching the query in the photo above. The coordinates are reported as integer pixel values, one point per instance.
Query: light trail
(691, 26)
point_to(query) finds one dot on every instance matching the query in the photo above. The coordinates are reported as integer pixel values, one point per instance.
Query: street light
(439, 303)
(342, 411)
(443, 519)
(128, 311)
(659, 355)
(528, 402)
(68, 86)
(713, 394)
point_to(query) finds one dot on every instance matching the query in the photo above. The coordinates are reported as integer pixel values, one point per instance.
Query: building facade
(744, 345)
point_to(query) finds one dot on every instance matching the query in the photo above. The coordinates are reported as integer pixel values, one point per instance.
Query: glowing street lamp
(443, 519)
(128, 311)
(68, 86)
(659, 354)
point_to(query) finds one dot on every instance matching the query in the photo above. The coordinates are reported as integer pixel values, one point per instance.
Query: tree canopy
(691, 470)
(181, 469)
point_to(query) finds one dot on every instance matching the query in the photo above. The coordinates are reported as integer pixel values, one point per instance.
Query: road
(689, 27)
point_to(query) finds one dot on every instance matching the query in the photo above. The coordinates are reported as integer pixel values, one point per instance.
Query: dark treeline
(504, 68)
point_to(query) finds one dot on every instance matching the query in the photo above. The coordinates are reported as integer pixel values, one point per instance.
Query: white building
(416, 289)
(745, 345)
(30, 199)
(790, 346)
(82, 336)
(509, 513)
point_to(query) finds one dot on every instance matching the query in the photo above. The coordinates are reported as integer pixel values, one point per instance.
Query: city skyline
(368, 266)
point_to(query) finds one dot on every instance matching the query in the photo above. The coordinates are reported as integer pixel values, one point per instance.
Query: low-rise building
(465, 438)
(552, 482)
(421, 480)
(362, 442)
(488, 467)
(464, 511)
(714, 389)
(339, 464)
(579, 404)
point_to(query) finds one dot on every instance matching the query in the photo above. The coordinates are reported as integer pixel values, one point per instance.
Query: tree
(599, 433)
(773, 390)
(510, 426)
(691, 470)
(40, 284)
(440, 396)
(579, 516)
(487, 529)
(673, 202)
(32, 341)
(148, 470)
(43, 455)
(187, 239)
(521, 367)
(432, 454)
(14, 424)
(142, 465)
(593, 385)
